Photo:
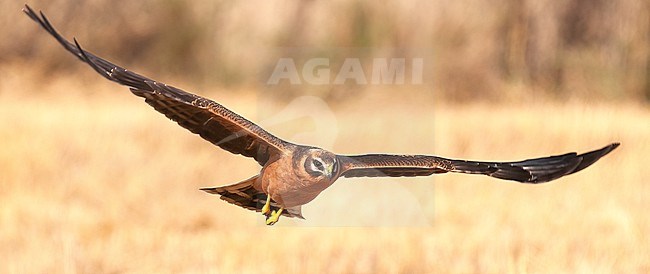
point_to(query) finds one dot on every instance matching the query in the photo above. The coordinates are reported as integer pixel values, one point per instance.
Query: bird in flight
(292, 174)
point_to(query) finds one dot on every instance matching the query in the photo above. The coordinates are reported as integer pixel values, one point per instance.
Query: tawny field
(102, 184)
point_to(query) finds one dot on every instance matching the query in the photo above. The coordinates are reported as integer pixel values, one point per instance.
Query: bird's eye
(317, 164)
(314, 168)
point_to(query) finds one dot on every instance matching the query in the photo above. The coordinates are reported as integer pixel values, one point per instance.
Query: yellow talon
(275, 216)
(266, 209)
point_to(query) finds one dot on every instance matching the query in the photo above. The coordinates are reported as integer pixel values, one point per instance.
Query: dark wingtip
(28, 10)
(546, 169)
(591, 157)
(45, 22)
(84, 57)
(582, 161)
(32, 14)
(82, 53)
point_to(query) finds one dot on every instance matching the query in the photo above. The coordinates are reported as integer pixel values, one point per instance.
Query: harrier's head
(318, 164)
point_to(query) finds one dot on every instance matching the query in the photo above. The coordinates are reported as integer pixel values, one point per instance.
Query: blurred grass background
(482, 50)
(94, 181)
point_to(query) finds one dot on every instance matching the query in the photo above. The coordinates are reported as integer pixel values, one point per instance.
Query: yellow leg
(274, 217)
(266, 209)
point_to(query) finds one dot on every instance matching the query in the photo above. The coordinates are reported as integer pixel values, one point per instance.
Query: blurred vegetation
(87, 184)
(480, 49)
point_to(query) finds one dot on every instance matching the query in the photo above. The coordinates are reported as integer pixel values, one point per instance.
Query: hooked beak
(329, 170)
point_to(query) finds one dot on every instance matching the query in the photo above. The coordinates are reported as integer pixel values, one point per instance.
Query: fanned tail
(245, 195)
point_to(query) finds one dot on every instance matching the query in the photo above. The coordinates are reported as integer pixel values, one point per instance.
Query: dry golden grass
(103, 184)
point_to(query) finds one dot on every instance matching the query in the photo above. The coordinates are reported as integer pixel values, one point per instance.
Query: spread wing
(534, 171)
(210, 120)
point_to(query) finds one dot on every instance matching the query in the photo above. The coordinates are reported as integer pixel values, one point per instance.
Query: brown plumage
(293, 175)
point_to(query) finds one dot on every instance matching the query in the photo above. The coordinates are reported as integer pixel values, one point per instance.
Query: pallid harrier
(293, 175)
